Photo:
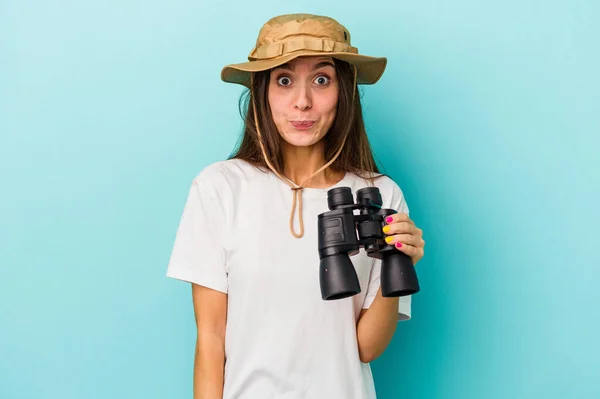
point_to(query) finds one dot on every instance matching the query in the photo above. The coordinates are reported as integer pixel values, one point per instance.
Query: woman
(263, 329)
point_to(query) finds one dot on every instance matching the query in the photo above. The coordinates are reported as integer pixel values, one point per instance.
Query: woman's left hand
(405, 236)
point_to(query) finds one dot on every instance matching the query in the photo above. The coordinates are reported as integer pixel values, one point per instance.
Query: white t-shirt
(282, 339)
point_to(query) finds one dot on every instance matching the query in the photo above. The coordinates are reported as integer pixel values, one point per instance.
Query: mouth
(302, 125)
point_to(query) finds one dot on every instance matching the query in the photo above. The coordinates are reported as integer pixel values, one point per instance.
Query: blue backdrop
(488, 118)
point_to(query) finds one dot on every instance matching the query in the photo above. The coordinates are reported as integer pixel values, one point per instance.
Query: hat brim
(369, 69)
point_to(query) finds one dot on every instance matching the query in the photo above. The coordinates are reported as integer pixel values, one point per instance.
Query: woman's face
(303, 96)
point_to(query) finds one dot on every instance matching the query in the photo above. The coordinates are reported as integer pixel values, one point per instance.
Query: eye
(322, 80)
(283, 81)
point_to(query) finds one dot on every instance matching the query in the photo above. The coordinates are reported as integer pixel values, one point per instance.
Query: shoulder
(383, 182)
(223, 183)
(225, 174)
(229, 179)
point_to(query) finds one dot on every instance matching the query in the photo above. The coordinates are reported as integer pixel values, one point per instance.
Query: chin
(301, 139)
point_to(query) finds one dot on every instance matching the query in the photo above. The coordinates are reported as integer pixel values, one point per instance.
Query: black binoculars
(337, 229)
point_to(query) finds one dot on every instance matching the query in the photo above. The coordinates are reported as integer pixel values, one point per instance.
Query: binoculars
(338, 240)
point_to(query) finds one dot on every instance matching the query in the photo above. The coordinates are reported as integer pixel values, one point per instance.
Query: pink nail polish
(389, 219)
(399, 244)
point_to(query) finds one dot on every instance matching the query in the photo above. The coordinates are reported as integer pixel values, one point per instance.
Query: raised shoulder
(226, 175)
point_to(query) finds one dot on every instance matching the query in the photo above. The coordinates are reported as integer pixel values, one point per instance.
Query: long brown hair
(356, 155)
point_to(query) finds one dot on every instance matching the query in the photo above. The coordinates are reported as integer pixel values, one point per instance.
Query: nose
(303, 99)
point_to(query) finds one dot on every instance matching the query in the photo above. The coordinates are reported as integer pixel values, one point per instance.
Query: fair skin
(304, 90)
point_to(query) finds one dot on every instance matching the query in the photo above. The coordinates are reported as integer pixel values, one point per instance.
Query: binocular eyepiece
(338, 240)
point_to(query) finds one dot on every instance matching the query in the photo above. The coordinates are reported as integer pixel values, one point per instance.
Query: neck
(301, 162)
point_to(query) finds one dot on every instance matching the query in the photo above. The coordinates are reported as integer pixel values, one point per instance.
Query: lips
(302, 125)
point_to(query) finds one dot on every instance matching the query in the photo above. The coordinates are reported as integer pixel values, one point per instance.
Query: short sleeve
(198, 255)
(404, 304)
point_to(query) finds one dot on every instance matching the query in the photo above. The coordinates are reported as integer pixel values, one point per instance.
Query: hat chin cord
(296, 189)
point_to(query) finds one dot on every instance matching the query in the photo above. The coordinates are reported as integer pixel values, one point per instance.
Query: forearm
(209, 365)
(376, 327)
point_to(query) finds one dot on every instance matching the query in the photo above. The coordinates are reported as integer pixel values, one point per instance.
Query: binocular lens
(339, 196)
(368, 195)
(338, 278)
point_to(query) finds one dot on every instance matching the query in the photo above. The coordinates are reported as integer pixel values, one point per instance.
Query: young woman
(248, 239)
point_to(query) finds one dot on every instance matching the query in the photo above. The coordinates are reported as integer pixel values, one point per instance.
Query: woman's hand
(405, 236)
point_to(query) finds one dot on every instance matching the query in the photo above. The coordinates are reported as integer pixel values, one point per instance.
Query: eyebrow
(319, 65)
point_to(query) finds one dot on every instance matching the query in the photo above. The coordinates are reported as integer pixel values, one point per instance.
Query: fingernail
(389, 239)
(389, 219)
(386, 229)
(399, 244)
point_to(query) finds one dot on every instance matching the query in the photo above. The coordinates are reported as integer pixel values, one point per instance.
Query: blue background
(487, 116)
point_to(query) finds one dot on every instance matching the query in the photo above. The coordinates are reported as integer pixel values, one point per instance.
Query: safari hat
(289, 36)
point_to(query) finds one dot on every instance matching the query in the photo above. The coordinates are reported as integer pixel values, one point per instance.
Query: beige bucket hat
(285, 37)
(288, 36)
